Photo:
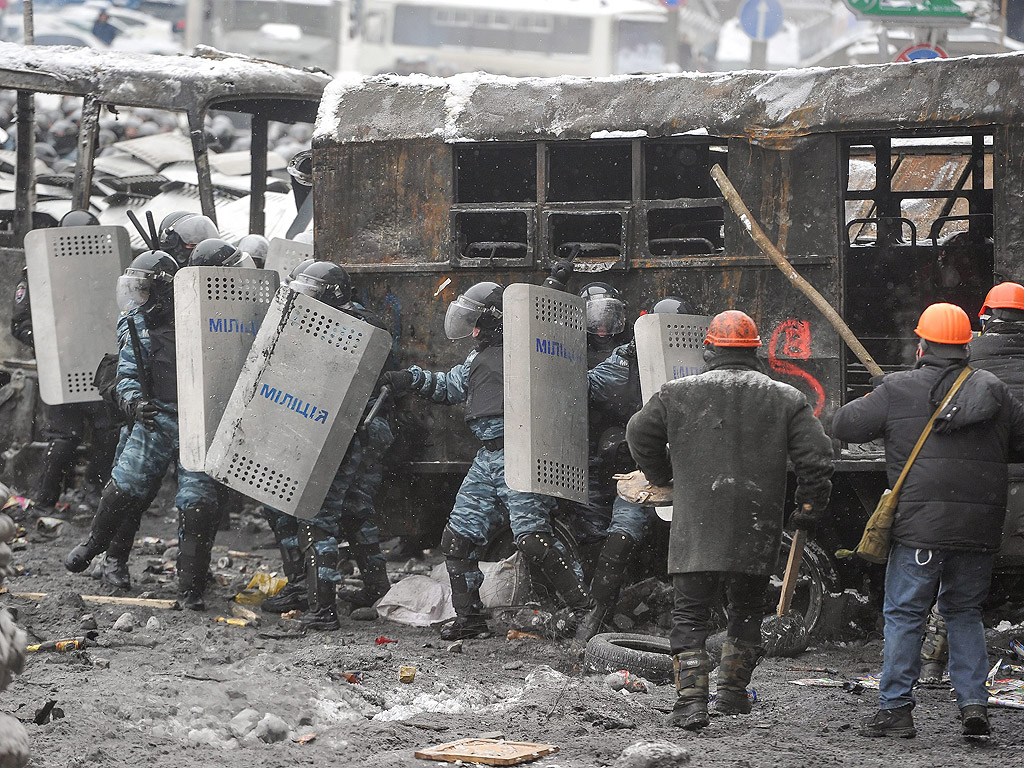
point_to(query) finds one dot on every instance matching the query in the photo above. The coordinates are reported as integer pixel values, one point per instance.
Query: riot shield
(283, 255)
(217, 312)
(72, 277)
(668, 347)
(297, 403)
(545, 358)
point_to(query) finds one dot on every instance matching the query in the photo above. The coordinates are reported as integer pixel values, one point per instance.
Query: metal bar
(258, 175)
(25, 173)
(86, 153)
(196, 121)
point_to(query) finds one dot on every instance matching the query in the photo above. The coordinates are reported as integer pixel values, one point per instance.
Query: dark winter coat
(1000, 349)
(21, 314)
(730, 430)
(954, 496)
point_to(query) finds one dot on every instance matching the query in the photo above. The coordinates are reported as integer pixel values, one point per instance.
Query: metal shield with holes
(545, 359)
(668, 347)
(72, 277)
(283, 255)
(217, 313)
(297, 403)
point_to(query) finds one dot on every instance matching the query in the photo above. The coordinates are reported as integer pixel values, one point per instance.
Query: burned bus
(889, 187)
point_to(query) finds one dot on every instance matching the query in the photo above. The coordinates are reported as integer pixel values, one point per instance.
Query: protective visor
(241, 261)
(606, 316)
(461, 318)
(133, 289)
(308, 286)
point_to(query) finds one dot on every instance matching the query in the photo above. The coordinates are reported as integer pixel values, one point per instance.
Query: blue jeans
(912, 578)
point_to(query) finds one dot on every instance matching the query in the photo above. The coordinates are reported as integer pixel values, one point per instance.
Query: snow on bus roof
(761, 106)
(139, 79)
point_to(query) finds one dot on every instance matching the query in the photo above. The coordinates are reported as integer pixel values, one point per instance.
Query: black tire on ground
(645, 655)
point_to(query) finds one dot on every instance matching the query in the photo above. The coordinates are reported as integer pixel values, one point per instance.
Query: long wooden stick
(732, 197)
(141, 602)
(796, 557)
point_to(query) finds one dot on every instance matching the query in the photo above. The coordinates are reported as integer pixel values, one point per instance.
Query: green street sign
(907, 9)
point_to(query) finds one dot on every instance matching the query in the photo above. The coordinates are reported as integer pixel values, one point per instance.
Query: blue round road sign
(920, 52)
(761, 19)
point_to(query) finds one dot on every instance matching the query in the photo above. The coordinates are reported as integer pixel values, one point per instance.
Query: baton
(381, 396)
(142, 232)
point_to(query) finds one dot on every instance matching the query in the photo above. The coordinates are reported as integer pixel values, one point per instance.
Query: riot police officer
(181, 231)
(476, 516)
(147, 393)
(309, 548)
(65, 426)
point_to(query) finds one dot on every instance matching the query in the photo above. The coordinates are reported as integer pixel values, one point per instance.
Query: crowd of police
(720, 439)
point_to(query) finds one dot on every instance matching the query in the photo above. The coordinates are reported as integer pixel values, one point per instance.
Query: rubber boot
(469, 621)
(321, 593)
(60, 457)
(691, 708)
(115, 506)
(197, 529)
(738, 661)
(934, 650)
(293, 595)
(375, 576)
(114, 568)
(541, 550)
(604, 588)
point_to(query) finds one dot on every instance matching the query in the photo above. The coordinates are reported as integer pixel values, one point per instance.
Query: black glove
(399, 382)
(561, 271)
(143, 411)
(804, 518)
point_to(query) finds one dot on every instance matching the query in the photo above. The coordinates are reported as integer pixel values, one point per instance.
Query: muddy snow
(169, 688)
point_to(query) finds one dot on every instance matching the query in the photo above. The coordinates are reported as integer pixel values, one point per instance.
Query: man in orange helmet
(949, 517)
(729, 429)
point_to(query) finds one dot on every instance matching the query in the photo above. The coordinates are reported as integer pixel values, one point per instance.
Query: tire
(817, 582)
(648, 656)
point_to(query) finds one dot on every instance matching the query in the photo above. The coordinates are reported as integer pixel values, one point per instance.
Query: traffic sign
(761, 19)
(920, 52)
(907, 11)
(671, 3)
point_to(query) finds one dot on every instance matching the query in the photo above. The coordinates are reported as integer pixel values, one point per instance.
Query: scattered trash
(991, 678)
(822, 670)
(224, 562)
(487, 751)
(241, 612)
(234, 621)
(88, 622)
(406, 674)
(141, 601)
(305, 738)
(1001, 701)
(820, 682)
(384, 640)
(624, 681)
(515, 634)
(1011, 669)
(60, 646)
(250, 597)
(267, 584)
(455, 647)
(1017, 648)
(289, 615)
(355, 678)
(418, 601)
(151, 545)
(49, 524)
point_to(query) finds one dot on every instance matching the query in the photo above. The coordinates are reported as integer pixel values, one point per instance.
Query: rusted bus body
(417, 180)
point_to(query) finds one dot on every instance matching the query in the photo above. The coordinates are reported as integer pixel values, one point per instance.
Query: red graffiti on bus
(792, 339)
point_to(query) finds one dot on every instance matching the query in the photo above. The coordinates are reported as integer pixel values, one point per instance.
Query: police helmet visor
(462, 317)
(606, 316)
(241, 261)
(308, 285)
(133, 289)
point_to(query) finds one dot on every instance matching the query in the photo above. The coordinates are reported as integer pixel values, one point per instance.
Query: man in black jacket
(730, 430)
(950, 512)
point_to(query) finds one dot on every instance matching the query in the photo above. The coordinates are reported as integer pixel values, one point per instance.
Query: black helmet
(672, 305)
(146, 282)
(300, 168)
(606, 311)
(182, 234)
(256, 246)
(478, 309)
(79, 218)
(326, 281)
(214, 252)
(299, 268)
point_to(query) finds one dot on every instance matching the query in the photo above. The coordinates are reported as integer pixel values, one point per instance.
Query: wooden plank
(487, 751)
(141, 602)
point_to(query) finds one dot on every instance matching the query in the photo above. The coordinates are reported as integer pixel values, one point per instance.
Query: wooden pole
(775, 256)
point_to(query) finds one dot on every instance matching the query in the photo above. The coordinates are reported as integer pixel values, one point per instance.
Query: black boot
(605, 585)
(541, 550)
(114, 568)
(465, 577)
(114, 573)
(59, 459)
(115, 507)
(891, 722)
(375, 576)
(975, 720)
(197, 529)
(292, 596)
(321, 593)
(691, 708)
(738, 661)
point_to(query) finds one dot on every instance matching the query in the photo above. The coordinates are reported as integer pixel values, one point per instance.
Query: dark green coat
(730, 430)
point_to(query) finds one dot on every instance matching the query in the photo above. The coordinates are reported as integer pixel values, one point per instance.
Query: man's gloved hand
(804, 518)
(143, 411)
(559, 276)
(399, 382)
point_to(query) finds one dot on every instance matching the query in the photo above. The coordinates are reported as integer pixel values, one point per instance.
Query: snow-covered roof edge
(764, 106)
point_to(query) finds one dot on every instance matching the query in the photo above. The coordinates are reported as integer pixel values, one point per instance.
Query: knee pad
(455, 546)
(536, 546)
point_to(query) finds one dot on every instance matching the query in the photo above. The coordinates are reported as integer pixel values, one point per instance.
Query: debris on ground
(487, 751)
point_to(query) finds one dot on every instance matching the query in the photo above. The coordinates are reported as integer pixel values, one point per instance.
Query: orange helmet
(944, 324)
(1004, 296)
(732, 329)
